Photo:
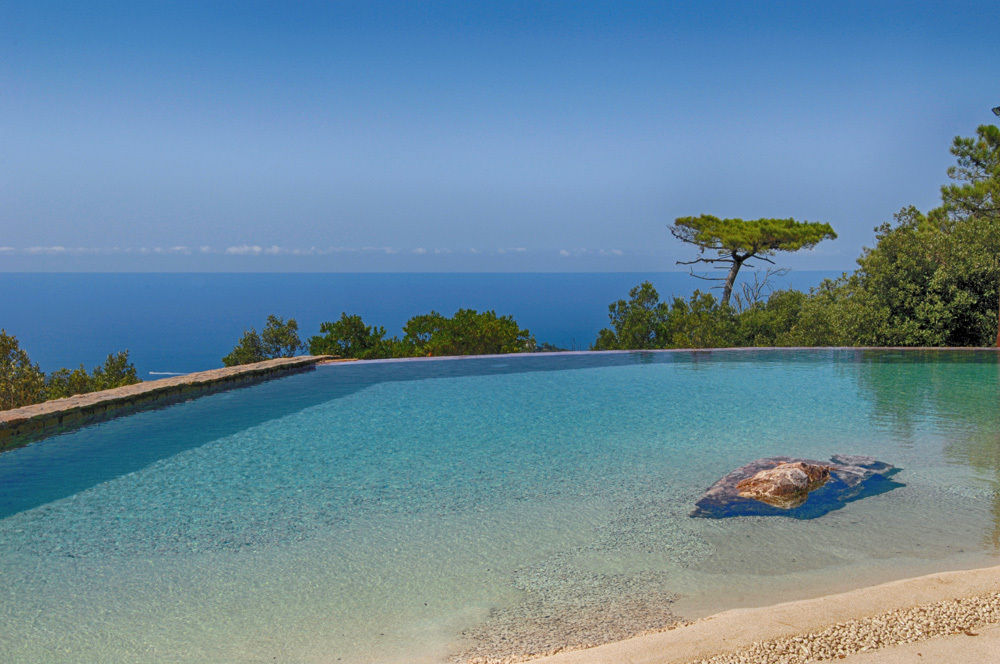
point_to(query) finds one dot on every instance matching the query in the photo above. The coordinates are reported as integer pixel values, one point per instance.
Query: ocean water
(187, 322)
(442, 510)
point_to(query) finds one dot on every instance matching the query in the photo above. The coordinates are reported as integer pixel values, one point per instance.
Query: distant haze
(552, 137)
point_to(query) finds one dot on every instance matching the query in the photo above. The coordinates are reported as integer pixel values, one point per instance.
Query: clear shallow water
(414, 511)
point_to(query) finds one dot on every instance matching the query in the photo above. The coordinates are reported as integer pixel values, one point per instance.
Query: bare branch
(753, 293)
(704, 260)
(699, 276)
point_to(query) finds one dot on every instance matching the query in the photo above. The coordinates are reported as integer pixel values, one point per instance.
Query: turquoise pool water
(422, 511)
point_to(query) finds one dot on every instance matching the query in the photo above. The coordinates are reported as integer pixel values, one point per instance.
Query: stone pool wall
(21, 426)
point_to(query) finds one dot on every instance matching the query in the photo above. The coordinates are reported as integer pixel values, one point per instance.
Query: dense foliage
(23, 383)
(930, 280)
(116, 371)
(350, 337)
(279, 339)
(701, 321)
(468, 332)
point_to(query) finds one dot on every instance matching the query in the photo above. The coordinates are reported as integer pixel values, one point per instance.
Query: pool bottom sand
(957, 613)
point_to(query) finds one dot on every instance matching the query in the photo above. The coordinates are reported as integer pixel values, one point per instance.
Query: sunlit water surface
(418, 511)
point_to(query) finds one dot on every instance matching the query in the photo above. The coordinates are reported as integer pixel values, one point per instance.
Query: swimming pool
(428, 510)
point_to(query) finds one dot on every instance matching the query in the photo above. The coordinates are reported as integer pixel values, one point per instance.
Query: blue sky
(469, 136)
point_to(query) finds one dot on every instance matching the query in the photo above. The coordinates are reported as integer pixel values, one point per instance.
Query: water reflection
(956, 394)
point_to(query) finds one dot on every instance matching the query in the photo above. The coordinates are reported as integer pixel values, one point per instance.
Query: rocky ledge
(797, 488)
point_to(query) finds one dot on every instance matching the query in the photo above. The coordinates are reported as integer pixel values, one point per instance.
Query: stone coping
(676, 351)
(20, 426)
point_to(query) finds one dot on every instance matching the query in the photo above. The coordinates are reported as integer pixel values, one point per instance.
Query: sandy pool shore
(925, 609)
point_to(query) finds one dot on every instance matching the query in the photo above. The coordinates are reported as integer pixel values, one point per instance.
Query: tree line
(467, 332)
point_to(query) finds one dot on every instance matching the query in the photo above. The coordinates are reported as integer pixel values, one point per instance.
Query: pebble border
(919, 623)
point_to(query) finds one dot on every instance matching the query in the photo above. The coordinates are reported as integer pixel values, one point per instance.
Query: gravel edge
(918, 623)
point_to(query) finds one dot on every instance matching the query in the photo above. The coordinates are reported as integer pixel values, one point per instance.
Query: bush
(116, 371)
(66, 383)
(643, 322)
(248, 350)
(349, 337)
(769, 323)
(279, 339)
(468, 332)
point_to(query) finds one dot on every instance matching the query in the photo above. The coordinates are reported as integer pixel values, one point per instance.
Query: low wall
(21, 426)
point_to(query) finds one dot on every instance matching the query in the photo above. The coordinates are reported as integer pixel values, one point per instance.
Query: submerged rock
(786, 485)
(798, 488)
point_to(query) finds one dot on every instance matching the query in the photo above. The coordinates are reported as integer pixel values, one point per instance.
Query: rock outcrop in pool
(786, 485)
(797, 488)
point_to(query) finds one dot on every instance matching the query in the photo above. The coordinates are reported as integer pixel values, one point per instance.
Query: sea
(181, 322)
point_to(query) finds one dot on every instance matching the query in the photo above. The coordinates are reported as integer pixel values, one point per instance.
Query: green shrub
(279, 339)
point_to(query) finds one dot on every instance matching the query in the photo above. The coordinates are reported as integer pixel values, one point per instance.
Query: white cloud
(45, 250)
(59, 250)
(584, 251)
(278, 250)
(244, 250)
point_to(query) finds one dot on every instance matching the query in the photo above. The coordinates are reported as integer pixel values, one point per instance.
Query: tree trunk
(731, 280)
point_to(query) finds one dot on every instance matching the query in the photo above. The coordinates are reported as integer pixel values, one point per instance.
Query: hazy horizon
(743, 273)
(440, 137)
